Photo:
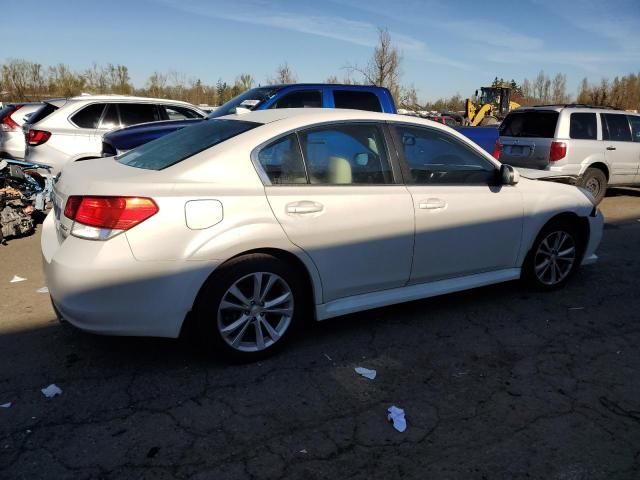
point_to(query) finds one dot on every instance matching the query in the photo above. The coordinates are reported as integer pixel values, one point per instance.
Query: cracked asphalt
(497, 383)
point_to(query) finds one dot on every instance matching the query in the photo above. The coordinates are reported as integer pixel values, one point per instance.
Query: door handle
(611, 148)
(432, 204)
(304, 206)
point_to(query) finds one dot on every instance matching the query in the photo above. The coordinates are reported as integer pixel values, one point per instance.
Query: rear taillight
(8, 124)
(557, 151)
(496, 150)
(99, 218)
(37, 137)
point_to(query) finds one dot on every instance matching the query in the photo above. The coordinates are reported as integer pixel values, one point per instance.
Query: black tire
(595, 181)
(533, 271)
(210, 319)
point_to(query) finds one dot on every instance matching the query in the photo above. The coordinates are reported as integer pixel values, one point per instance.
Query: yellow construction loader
(490, 107)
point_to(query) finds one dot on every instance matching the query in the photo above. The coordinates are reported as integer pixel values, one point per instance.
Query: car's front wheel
(555, 255)
(250, 307)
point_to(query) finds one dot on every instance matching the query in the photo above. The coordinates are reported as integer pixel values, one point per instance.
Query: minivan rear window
(583, 126)
(534, 124)
(184, 143)
(40, 114)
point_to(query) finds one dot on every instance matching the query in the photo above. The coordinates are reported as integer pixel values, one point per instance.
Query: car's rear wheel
(555, 255)
(250, 307)
(595, 181)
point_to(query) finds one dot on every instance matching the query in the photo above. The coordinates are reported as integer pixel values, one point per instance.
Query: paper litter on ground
(365, 372)
(6, 405)
(396, 415)
(17, 279)
(43, 290)
(51, 391)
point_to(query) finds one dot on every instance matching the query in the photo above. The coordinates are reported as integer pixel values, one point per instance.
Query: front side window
(282, 161)
(134, 113)
(182, 144)
(583, 126)
(89, 116)
(300, 99)
(356, 100)
(434, 157)
(616, 127)
(635, 127)
(346, 154)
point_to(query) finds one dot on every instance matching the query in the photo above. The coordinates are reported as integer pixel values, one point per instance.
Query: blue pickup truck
(299, 95)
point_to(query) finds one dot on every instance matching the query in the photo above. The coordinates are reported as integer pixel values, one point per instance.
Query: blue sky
(448, 47)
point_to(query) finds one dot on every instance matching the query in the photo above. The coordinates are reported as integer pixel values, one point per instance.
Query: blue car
(299, 95)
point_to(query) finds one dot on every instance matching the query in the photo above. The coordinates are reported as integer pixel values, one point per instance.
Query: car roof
(122, 98)
(300, 117)
(319, 85)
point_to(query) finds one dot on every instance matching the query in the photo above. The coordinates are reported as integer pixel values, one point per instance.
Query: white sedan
(250, 224)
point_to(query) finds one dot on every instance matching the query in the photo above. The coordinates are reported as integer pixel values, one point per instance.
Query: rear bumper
(101, 288)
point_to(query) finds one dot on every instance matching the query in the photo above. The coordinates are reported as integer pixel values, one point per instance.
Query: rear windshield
(180, 145)
(249, 100)
(534, 124)
(4, 111)
(40, 114)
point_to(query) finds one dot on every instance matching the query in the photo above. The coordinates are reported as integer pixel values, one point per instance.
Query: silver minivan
(600, 146)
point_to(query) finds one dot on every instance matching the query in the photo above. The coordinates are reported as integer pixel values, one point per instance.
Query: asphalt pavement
(497, 383)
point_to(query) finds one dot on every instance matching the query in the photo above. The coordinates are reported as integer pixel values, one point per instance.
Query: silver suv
(69, 129)
(600, 146)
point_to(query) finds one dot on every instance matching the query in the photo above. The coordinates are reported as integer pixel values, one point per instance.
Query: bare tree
(284, 74)
(383, 69)
(245, 81)
(332, 79)
(538, 85)
(559, 88)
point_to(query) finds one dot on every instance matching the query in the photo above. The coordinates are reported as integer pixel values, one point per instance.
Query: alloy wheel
(555, 257)
(255, 312)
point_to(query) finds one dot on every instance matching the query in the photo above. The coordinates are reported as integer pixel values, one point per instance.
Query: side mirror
(361, 159)
(408, 139)
(509, 175)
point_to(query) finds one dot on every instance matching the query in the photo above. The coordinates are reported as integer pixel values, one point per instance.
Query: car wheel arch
(581, 224)
(598, 165)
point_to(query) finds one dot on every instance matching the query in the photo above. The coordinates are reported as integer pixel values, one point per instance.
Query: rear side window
(134, 113)
(43, 112)
(89, 116)
(616, 127)
(346, 154)
(184, 143)
(282, 161)
(533, 124)
(434, 157)
(356, 100)
(583, 126)
(635, 127)
(110, 119)
(301, 99)
(176, 112)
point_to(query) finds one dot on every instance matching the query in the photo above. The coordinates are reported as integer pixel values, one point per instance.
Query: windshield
(249, 99)
(185, 143)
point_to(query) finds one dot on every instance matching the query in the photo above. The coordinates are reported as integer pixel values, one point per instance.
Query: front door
(333, 191)
(465, 223)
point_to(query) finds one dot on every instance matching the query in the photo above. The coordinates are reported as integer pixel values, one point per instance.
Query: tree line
(22, 80)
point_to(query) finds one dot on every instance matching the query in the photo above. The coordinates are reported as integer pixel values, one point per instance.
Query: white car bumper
(596, 225)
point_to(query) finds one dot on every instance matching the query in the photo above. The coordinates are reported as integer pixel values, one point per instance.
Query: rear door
(634, 120)
(621, 153)
(525, 138)
(342, 205)
(85, 140)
